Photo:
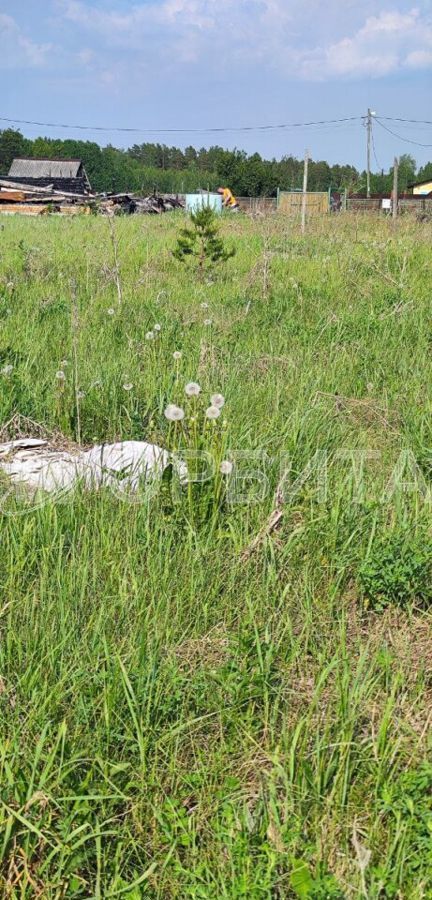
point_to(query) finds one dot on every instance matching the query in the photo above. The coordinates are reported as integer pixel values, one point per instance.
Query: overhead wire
(400, 137)
(233, 128)
(325, 126)
(214, 130)
(409, 121)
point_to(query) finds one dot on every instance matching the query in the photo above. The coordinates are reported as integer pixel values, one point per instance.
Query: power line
(244, 128)
(400, 137)
(182, 130)
(410, 121)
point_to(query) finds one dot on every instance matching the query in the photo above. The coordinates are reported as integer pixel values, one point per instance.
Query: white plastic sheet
(33, 464)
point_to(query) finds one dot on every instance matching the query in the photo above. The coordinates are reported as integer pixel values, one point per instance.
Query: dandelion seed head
(213, 412)
(226, 467)
(192, 389)
(6, 370)
(157, 327)
(150, 335)
(207, 322)
(177, 355)
(174, 413)
(217, 400)
(111, 311)
(204, 305)
(60, 375)
(128, 386)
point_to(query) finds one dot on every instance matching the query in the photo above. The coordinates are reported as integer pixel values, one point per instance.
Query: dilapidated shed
(68, 175)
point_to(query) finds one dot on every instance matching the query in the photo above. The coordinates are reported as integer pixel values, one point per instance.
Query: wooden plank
(28, 188)
(24, 209)
(75, 210)
(31, 198)
(73, 195)
(12, 196)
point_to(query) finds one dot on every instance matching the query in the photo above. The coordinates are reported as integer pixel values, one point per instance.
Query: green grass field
(201, 698)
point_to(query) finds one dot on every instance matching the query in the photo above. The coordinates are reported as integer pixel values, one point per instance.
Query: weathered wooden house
(68, 175)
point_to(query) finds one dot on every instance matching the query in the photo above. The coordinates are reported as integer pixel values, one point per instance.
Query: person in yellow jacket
(228, 199)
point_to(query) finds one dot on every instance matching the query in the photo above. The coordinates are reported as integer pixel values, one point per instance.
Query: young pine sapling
(201, 243)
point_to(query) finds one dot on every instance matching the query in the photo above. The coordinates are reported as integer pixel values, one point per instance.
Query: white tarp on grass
(35, 466)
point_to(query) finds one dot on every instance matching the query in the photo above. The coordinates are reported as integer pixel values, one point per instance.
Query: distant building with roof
(421, 188)
(67, 175)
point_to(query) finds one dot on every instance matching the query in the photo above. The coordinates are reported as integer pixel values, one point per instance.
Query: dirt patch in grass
(20, 427)
(208, 652)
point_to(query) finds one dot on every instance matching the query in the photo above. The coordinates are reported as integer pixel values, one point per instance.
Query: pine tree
(202, 243)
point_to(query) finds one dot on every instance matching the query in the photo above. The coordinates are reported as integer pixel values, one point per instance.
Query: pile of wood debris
(16, 197)
(155, 204)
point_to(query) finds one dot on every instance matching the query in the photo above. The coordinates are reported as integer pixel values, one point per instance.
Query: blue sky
(158, 64)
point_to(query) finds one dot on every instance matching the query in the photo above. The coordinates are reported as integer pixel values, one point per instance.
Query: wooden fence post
(395, 188)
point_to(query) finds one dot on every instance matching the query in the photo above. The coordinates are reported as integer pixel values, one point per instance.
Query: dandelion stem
(75, 335)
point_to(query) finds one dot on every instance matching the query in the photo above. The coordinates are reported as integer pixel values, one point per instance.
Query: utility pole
(304, 194)
(368, 159)
(395, 187)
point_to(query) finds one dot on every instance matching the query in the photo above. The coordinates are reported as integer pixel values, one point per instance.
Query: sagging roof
(46, 168)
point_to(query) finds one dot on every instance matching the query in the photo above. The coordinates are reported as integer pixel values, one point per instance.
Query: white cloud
(86, 56)
(189, 28)
(419, 59)
(274, 33)
(18, 50)
(378, 48)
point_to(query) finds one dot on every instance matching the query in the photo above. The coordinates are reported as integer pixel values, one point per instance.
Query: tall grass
(186, 712)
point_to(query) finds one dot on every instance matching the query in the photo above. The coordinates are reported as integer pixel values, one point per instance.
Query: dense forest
(147, 167)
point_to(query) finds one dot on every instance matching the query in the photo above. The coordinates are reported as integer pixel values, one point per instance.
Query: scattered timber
(24, 209)
(18, 198)
(17, 186)
(12, 196)
(155, 204)
(74, 210)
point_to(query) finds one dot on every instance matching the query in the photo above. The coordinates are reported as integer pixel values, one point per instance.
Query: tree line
(152, 166)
